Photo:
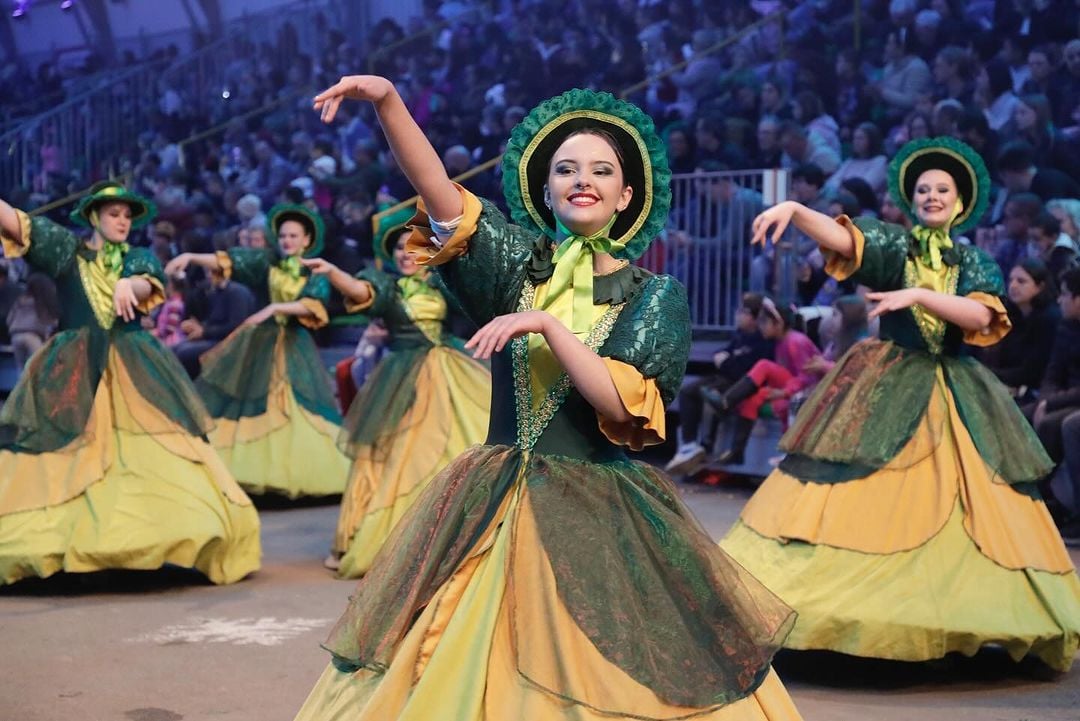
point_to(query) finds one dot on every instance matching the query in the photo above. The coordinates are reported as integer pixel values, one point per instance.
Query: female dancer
(425, 403)
(103, 457)
(484, 602)
(904, 522)
(270, 395)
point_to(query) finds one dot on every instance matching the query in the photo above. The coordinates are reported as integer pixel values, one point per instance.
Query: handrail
(53, 205)
(476, 170)
(729, 40)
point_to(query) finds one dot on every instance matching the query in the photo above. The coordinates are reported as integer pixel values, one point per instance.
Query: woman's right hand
(372, 88)
(778, 216)
(178, 265)
(318, 266)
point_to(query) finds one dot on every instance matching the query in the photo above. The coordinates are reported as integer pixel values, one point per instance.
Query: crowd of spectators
(825, 92)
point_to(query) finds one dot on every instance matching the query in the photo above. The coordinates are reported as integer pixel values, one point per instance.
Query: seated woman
(1019, 359)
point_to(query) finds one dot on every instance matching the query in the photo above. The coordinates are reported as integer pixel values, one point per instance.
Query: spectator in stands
(1019, 359)
(1034, 123)
(1055, 248)
(1020, 212)
(709, 135)
(822, 127)
(1019, 173)
(768, 383)
(229, 304)
(867, 160)
(800, 148)
(1059, 396)
(994, 93)
(32, 318)
(974, 129)
(850, 98)
(249, 210)
(1070, 85)
(769, 151)
(171, 313)
(680, 148)
(773, 100)
(1044, 76)
(927, 36)
(953, 75)
(1067, 211)
(9, 291)
(904, 78)
(745, 348)
(272, 173)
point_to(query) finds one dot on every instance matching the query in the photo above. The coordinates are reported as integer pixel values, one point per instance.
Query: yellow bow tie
(573, 261)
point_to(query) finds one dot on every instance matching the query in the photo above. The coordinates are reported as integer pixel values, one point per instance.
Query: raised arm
(9, 223)
(417, 159)
(824, 230)
(209, 261)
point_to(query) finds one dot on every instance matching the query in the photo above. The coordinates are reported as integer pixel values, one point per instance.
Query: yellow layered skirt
(458, 662)
(287, 450)
(453, 402)
(135, 491)
(927, 556)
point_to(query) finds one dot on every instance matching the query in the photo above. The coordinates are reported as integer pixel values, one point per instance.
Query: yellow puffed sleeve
(17, 248)
(156, 297)
(422, 243)
(999, 327)
(837, 265)
(318, 318)
(640, 397)
(351, 306)
(225, 263)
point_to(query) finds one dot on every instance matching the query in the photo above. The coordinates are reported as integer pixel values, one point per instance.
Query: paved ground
(164, 646)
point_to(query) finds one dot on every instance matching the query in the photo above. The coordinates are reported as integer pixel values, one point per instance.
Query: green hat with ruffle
(308, 218)
(386, 229)
(956, 158)
(143, 210)
(535, 139)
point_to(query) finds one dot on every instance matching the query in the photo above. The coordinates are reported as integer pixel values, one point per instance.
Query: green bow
(114, 256)
(414, 284)
(291, 266)
(573, 261)
(934, 240)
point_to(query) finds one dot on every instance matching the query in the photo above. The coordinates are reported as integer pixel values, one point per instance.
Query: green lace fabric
(866, 410)
(251, 266)
(237, 374)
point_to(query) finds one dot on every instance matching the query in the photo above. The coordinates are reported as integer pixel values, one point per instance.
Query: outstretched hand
(318, 266)
(177, 265)
(351, 87)
(494, 336)
(888, 301)
(778, 217)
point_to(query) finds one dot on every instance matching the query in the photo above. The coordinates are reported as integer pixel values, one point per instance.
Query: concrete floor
(165, 646)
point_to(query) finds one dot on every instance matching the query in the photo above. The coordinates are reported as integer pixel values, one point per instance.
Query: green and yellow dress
(545, 575)
(423, 405)
(104, 462)
(904, 522)
(276, 419)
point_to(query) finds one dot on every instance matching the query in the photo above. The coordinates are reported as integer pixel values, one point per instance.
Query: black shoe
(735, 455)
(736, 394)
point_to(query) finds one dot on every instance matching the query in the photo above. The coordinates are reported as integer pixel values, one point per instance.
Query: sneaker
(689, 458)
(332, 561)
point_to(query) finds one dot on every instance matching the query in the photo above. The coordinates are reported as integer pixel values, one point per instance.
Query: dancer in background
(545, 575)
(422, 406)
(103, 457)
(904, 522)
(276, 419)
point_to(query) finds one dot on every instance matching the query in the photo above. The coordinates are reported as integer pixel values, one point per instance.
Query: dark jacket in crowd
(745, 349)
(1020, 359)
(1061, 384)
(228, 308)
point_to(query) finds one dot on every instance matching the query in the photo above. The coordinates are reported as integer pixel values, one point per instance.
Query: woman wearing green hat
(103, 456)
(276, 419)
(904, 522)
(545, 575)
(423, 405)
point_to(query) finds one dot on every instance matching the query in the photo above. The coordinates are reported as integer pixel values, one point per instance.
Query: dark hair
(849, 204)
(810, 173)
(854, 324)
(958, 57)
(873, 138)
(751, 303)
(1047, 223)
(1017, 156)
(42, 289)
(603, 135)
(810, 103)
(1040, 273)
(974, 119)
(863, 192)
(1070, 281)
(1028, 204)
(1001, 82)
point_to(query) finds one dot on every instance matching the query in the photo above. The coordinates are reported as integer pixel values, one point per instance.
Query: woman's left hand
(124, 299)
(494, 336)
(260, 316)
(888, 301)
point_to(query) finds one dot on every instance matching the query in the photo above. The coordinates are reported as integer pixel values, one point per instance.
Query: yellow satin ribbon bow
(573, 261)
(934, 240)
(414, 284)
(291, 265)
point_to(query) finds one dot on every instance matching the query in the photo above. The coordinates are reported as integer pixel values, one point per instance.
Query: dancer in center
(425, 403)
(545, 575)
(276, 419)
(904, 522)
